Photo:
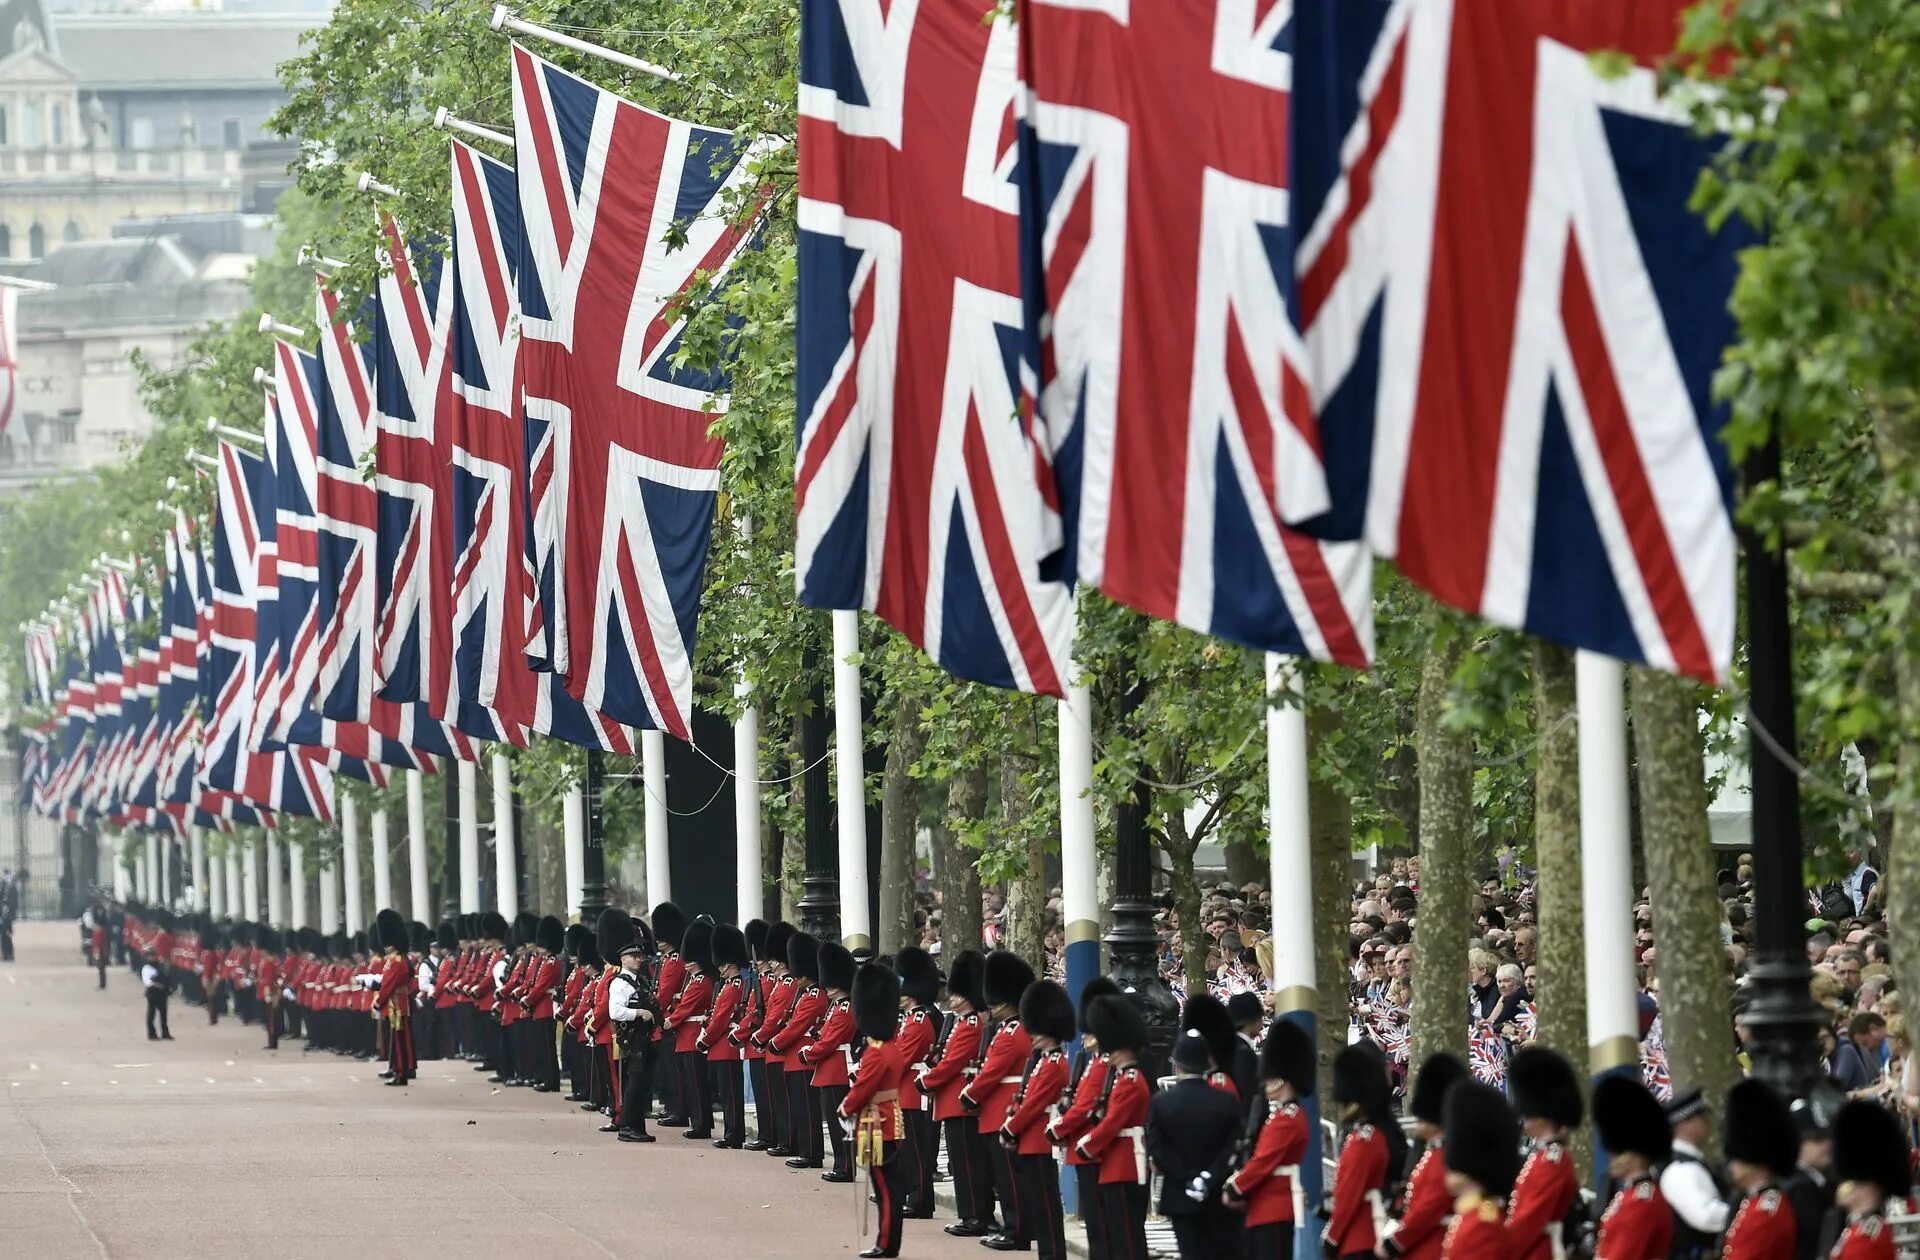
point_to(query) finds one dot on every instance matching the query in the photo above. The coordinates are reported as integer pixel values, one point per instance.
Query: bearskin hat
(1627, 1117)
(493, 927)
(1483, 1137)
(444, 935)
(919, 975)
(1440, 1073)
(1360, 1078)
(803, 956)
(1006, 978)
(589, 954)
(1869, 1146)
(570, 939)
(526, 925)
(876, 1001)
(836, 966)
(1543, 1085)
(966, 978)
(730, 946)
(361, 942)
(696, 946)
(1116, 1023)
(420, 936)
(644, 935)
(756, 934)
(778, 937)
(1098, 987)
(614, 934)
(1758, 1128)
(339, 945)
(1047, 1011)
(1288, 1054)
(669, 924)
(1205, 1015)
(550, 934)
(262, 933)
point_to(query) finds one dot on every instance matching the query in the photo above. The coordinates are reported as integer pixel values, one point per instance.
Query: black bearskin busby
(1483, 1137)
(756, 934)
(263, 936)
(1098, 987)
(589, 954)
(1440, 1073)
(1205, 1015)
(730, 946)
(1758, 1128)
(966, 979)
(669, 925)
(420, 935)
(696, 945)
(1869, 1146)
(550, 934)
(919, 975)
(1006, 978)
(444, 937)
(643, 935)
(1047, 1011)
(779, 936)
(614, 934)
(1288, 1054)
(803, 956)
(1117, 1024)
(876, 1001)
(836, 966)
(392, 929)
(493, 927)
(1360, 1079)
(570, 939)
(1543, 1086)
(1628, 1118)
(525, 925)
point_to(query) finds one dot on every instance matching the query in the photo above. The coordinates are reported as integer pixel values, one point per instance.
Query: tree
(1561, 999)
(899, 829)
(1446, 863)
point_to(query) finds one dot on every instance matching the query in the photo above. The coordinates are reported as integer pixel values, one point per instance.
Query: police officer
(155, 980)
(633, 1007)
(1692, 1187)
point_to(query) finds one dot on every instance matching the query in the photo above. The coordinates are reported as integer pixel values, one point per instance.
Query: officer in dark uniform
(633, 1007)
(1693, 1188)
(1809, 1188)
(1193, 1131)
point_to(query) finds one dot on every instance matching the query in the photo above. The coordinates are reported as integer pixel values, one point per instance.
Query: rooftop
(130, 52)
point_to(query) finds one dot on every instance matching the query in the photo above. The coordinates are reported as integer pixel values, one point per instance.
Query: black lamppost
(1783, 1020)
(1132, 942)
(450, 873)
(593, 866)
(820, 902)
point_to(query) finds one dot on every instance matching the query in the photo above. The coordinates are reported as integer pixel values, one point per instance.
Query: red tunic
(1118, 1139)
(1477, 1232)
(688, 1017)
(269, 982)
(484, 999)
(1078, 1116)
(570, 1004)
(510, 1007)
(599, 1020)
(1037, 1102)
(1637, 1225)
(1423, 1216)
(747, 1016)
(1865, 1238)
(873, 1095)
(1540, 1200)
(918, 1028)
(943, 1081)
(1762, 1227)
(716, 1039)
(774, 1018)
(1268, 1181)
(1358, 1181)
(396, 989)
(546, 979)
(999, 1075)
(826, 1054)
(808, 1004)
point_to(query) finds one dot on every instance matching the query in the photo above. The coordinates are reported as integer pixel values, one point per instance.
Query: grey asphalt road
(210, 1147)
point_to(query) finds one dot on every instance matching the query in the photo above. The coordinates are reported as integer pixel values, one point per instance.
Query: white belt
(1380, 1219)
(695, 1019)
(1299, 1193)
(1553, 1236)
(1010, 1080)
(1139, 1136)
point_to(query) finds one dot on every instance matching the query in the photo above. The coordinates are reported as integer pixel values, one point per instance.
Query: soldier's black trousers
(757, 1074)
(157, 1005)
(831, 1096)
(1124, 1204)
(776, 1127)
(667, 1076)
(732, 1087)
(889, 1175)
(1215, 1233)
(803, 1110)
(1086, 1184)
(273, 1025)
(103, 969)
(636, 1091)
(1039, 1181)
(967, 1161)
(696, 1091)
(540, 1043)
(1016, 1215)
(1269, 1242)
(918, 1160)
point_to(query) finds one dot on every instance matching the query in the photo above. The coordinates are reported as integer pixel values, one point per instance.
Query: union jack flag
(492, 579)
(919, 486)
(1155, 221)
(1654, 1070)
(1511, 318)
(106, 661)
(190, 635)
(628, 489)
(1487, 1055)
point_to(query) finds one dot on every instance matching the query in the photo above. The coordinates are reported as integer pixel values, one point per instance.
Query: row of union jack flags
(529, 552)
(1206, 305)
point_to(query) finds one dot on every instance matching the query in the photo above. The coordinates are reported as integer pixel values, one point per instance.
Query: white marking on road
(163, 1080)
(258, 1081)
(66, 1082)
(15, 1084)
(33, 1067)
(113, 1082)
(10, 979)
(229, 1062)
(132, 1065)
(211, 1081)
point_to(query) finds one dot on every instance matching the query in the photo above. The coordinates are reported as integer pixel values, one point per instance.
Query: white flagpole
(417, 846)
(1079, 855)
(197, 846)
(276, 881)
(505, 872)
(380, 841)
(219, 903)
(250, 878)
(238, 907)
(329, 897)
(653, 768)
(468, 785)
(297, 883)
(505, 20)
(856, 928)
(750, 893)
(576, 848)
(1606, 864)
(350, 903)
(1289, 858)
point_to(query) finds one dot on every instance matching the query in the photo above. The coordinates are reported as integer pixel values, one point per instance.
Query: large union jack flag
(1156, 221)
(1511, 319)
(492, 573)
(919, 488)
(628, 486)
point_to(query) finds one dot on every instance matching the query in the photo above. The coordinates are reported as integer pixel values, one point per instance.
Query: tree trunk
(1245, 865)
(1179, 848)
(546, 846)
(1899, 450)
(792, 854)
(1561, 998)
(1446, 857)
(1332, 857)
(1027, 892)
(1680, 866)
(899, 821)
(960, 876)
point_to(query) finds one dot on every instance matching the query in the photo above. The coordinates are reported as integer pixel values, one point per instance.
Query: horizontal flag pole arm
(504, 19)
(30, 286)
(203, 459)
(368, 184)
(228, 431)
(263, 377)
(444, 120)
(161, 505)
(310, 256)
(269, 324)
(124, 566)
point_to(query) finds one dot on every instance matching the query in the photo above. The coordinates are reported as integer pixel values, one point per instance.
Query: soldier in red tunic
(803, 1013)
(1547, 1095)
(686, 1019)
(1873, 1166)
(775, 1108)
(1117, 1139)
(1373, 1155)
(1267, 1186)
(267, 975)
(1426, 1203)
(757, 986)
(950, 1064)
(872, 1104)
(1762, 1146)
(394, 998)
(669, 932)
(990, 1093)
(1632, 1127)
(716, 1041)
(1085, 1087)
(825, 1052)
(1046, 1013)
(919, 1025)
(1482, 1153)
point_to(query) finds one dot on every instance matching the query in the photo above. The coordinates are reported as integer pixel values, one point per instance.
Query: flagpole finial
(368, 184)
(262, 377)
(445, 120)
(500, 15)
(268, 324)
